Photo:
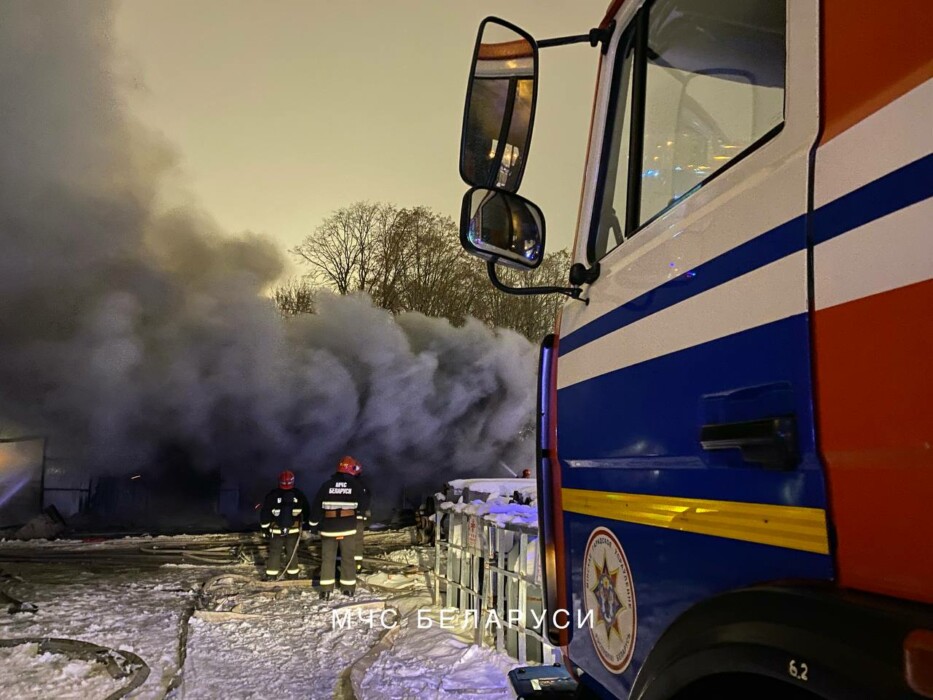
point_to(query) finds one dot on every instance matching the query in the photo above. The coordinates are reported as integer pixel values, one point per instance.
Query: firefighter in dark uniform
(362, 522)
(337, 503)
(426, 518)
(283, 513)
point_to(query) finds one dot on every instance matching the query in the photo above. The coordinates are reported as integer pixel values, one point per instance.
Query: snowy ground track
(205, 626)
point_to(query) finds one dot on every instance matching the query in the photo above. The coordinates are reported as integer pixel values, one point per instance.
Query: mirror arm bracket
(597, 35)
(580, 274)
(572, 292)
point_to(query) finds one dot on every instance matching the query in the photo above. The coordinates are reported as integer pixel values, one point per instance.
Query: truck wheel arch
(830, 643)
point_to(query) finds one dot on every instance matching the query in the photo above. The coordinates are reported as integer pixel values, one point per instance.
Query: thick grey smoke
(142, 337)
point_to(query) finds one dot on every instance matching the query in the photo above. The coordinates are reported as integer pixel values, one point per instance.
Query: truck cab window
(610, 231)
(714, 86)
(713, 90)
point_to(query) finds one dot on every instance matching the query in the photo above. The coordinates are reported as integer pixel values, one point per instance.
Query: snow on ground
(437, 662)
(52, 675)
(299, 649)
(94, 544)
(389, 581)
(292, 651)
(415, 556)
(267, 641)
(131, 609)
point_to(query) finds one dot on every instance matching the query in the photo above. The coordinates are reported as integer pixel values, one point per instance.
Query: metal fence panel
(493, 572)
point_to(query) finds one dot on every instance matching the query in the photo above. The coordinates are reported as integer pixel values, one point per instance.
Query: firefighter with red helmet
(334, 510)
(284, 511)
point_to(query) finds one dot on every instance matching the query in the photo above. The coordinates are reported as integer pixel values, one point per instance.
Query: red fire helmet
(287, 480)
(350, 466)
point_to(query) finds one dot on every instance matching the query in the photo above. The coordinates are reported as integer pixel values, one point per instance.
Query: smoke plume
(141, 337)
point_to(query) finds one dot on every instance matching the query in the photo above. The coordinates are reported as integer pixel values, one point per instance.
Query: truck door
(684, 403)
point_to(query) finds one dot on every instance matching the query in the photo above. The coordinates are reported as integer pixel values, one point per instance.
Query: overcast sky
(282, 112)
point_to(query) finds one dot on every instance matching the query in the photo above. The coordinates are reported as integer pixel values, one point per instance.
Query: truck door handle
(770, 442)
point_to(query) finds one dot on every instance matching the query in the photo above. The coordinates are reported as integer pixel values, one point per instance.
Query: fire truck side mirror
(500, 106)
(502, 227)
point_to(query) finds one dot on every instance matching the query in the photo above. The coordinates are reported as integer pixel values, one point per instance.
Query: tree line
(410, 259)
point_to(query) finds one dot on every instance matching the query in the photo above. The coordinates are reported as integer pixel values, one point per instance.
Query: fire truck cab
(736, 406)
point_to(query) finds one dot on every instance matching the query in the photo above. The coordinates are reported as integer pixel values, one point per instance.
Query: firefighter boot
(324, 595)
(349, 592)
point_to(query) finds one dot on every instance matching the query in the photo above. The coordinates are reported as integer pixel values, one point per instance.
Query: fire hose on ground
(204, 555)
(120, 664)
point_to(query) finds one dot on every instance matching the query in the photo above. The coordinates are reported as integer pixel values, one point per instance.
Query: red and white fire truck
(736, 424)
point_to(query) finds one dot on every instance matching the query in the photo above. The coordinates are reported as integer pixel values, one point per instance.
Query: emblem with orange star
(610, 597)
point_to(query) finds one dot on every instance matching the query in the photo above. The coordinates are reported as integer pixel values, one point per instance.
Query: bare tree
(411, 260)
(438, 279)
(295, 296)
(341, 250)
(391, 248)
